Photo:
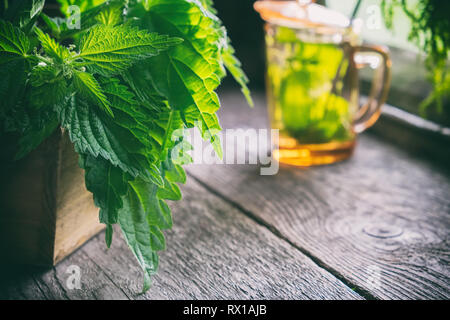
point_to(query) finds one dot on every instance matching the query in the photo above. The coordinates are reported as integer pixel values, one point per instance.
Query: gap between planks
(361, 291)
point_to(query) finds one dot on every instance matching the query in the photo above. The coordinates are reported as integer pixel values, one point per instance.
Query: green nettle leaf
(14, 54)
(12, 85)
(14, 44)
(45, 79)
(166, 124)
(108, 185)
(109, 50)
(88, 87)
(429, 31)
(158, 212)
(84, 5)
(122, 99)
(189, 73)
(95, 133)
(43, 73)
(228, 54)
(143, 237)
(170, 191)
(22, 13)
(140, 82)
(55, 25)
(51, 47)
(174, 172)
(111, 15)
(208, 4)
(234, 66)
(138, 119)
(41, 127)
(124, 86)
(148, 113)
(40, 95)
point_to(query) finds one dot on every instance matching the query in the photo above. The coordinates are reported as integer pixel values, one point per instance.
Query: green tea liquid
(307, 103)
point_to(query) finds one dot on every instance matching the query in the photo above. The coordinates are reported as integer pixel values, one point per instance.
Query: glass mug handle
(377, 58)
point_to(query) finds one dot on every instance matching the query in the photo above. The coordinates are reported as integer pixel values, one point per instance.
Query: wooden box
(45, 210)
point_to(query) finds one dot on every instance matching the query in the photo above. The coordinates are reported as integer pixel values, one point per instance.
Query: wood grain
(378, 224)
(76, 215)
(380, 221)
(213, 252)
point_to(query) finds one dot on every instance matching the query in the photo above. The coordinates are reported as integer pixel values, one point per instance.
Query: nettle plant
(121, 85)
(430, 31)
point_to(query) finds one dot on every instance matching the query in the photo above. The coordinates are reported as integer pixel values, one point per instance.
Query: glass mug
(313, 59)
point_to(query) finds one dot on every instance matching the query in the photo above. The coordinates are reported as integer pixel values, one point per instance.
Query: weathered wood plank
(17, 283)
(381, 216)
(56, 283)
(72, 228)
(214, 252)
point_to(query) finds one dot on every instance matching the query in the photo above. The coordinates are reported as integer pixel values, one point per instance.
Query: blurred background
(409, 86)
(245, 28)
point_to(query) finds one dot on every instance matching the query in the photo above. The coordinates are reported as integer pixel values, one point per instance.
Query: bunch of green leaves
(431, 32)
(122, 86)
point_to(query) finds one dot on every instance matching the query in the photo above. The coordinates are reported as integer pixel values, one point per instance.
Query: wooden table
(373, 227)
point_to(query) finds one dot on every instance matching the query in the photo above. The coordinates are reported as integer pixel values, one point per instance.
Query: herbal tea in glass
(312, 85)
